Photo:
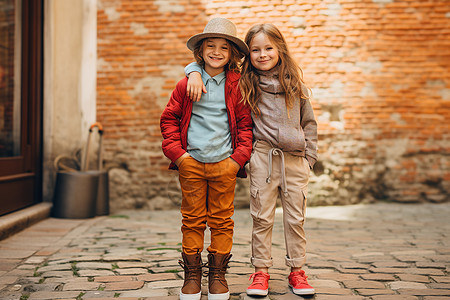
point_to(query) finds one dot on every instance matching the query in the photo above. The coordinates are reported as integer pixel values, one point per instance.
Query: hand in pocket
(235, 164)
(181, 158)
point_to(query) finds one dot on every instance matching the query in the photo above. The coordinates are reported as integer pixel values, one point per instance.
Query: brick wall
(378, 69)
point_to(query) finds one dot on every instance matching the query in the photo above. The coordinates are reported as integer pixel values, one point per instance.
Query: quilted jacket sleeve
(244, 133)
(170, 123)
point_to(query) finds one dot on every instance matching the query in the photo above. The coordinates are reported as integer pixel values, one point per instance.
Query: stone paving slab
(378, 251)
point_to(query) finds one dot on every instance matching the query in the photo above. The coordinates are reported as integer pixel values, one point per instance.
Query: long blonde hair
(290, 74)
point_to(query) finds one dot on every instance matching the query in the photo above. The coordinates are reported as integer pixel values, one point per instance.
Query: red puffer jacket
(177, 115)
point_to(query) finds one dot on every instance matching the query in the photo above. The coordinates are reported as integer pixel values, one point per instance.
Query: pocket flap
(253, 191)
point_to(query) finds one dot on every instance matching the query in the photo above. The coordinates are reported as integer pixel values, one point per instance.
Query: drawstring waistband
(271, 152)
(277, 151)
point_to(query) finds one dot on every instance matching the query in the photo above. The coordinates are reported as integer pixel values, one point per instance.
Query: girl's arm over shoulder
(195, 85)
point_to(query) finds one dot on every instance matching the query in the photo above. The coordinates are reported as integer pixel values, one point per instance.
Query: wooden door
(20, 103)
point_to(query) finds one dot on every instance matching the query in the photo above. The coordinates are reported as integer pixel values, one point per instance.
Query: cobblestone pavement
(379, 251)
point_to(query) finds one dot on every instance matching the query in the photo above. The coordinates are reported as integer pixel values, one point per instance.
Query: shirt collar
(218, 78)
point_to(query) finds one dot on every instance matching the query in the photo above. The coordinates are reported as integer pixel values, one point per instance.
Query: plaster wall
(70, 44)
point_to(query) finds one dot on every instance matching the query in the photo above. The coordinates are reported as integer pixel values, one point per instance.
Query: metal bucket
(82, 194)
(75, 195)
(102, 201)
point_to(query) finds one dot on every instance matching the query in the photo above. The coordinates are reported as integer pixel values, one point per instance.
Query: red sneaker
(260, 284)
(299, 284)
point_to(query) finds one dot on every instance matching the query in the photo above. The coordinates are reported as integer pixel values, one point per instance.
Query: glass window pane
(10, 63)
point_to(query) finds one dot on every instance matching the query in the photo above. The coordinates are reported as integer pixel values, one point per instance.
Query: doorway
(20, 104)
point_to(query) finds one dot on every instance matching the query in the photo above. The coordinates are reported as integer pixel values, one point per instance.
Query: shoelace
(190, 269)
(216, 271)
(299, 277)
(259, 278)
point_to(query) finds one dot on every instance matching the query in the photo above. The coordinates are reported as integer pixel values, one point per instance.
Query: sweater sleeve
(192, 67)
(309, 125)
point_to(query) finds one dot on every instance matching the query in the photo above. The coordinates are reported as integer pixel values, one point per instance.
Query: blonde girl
(284, 152)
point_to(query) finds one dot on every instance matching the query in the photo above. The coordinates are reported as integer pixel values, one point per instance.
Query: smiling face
(263, 53)
(216, 54)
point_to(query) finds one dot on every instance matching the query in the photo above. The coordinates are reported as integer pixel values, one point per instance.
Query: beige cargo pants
(275, 173)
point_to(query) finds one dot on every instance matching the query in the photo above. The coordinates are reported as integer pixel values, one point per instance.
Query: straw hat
(218, 28)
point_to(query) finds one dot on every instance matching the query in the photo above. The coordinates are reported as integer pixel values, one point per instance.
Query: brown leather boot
(192, 286)
(217, 284)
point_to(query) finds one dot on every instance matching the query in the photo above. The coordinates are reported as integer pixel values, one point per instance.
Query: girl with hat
(209, 142)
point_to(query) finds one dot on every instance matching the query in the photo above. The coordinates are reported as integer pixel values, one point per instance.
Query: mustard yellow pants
(207, 199)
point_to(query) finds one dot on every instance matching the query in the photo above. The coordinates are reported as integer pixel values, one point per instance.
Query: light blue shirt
(209, 137)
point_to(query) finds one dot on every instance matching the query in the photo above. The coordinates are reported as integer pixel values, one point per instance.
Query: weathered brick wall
(141, 54)
(379, 71)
